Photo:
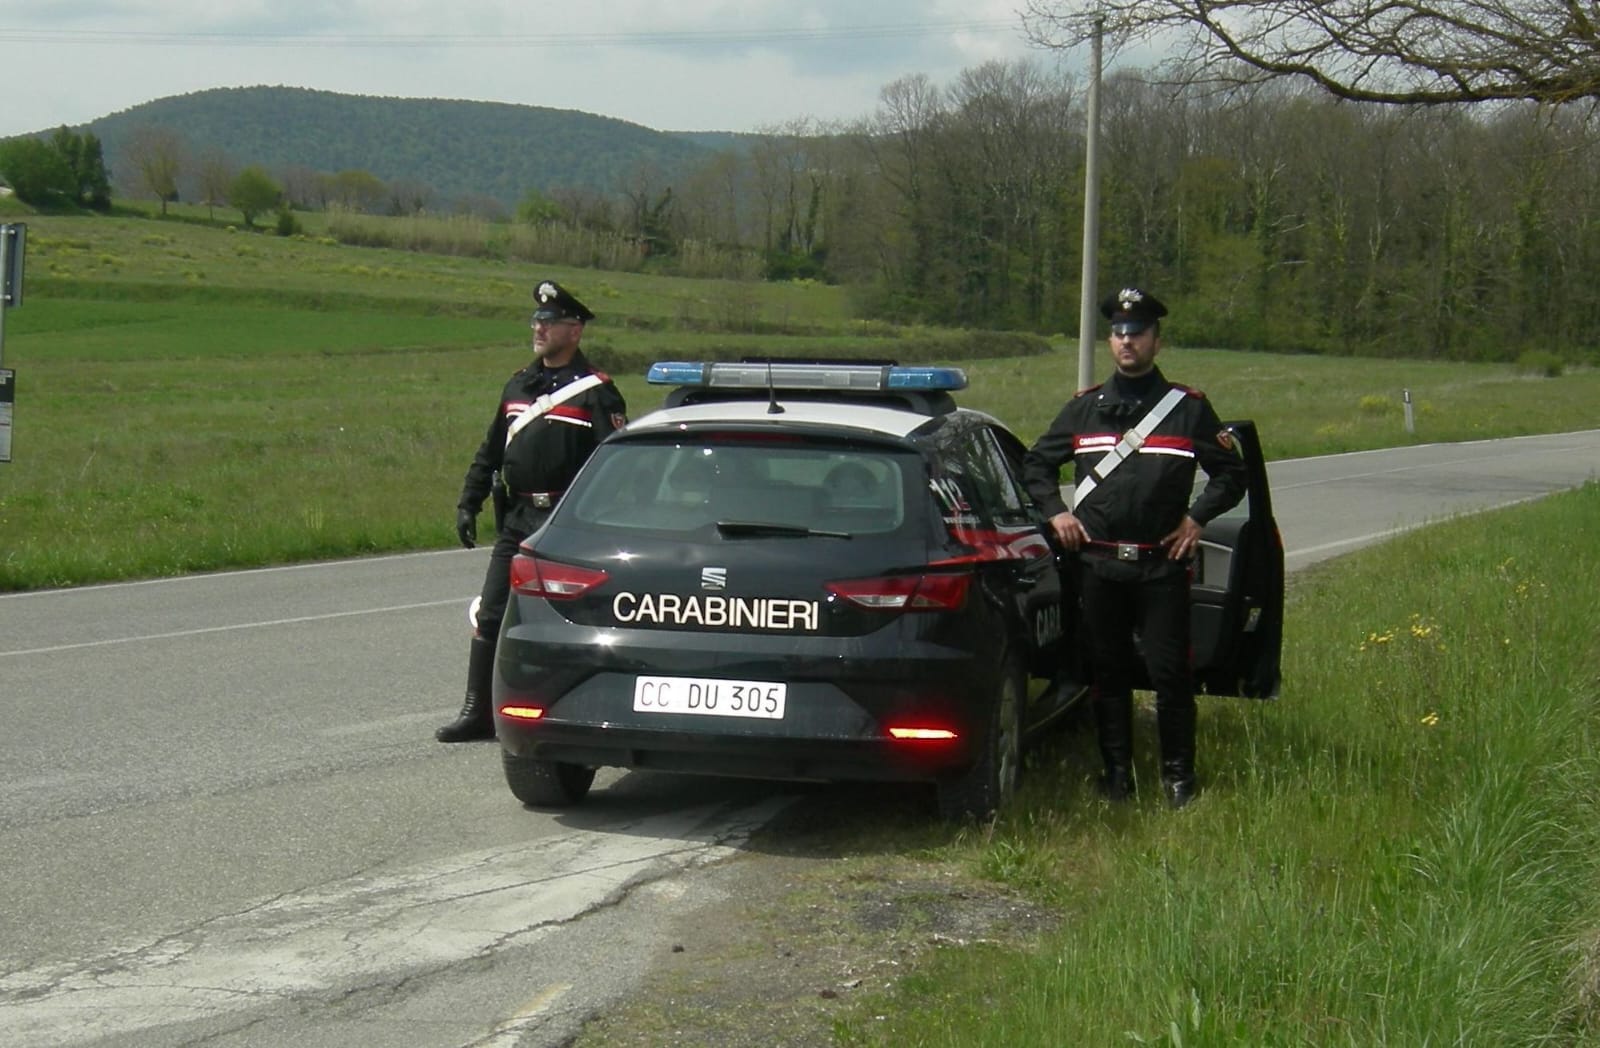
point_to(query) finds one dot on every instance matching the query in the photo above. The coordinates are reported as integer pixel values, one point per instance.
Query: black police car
(817, 571)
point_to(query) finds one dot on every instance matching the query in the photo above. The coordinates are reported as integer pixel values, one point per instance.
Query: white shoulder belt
(542, 405)
(1131, 441)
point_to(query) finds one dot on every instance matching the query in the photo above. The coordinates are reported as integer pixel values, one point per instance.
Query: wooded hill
(460, 149)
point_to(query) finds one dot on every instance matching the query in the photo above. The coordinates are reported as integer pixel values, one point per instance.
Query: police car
(813, 571)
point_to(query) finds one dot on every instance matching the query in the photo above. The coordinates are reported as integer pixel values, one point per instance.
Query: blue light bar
(676, 373)
(868, 378)
(926, 378)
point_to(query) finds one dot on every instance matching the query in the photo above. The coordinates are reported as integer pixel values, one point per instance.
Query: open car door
(1236, 614)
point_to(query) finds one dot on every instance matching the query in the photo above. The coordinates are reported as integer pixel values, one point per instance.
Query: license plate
(710, 696)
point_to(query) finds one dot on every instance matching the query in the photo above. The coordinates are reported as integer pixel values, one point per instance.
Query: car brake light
(922, 734)
(532, 576)
(522, 712)
(941, 591)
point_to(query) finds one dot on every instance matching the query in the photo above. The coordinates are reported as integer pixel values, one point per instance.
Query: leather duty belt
(1131, 442)
(538, 499)
(1128, 551)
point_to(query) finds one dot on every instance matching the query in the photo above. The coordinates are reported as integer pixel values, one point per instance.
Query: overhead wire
(659, 38)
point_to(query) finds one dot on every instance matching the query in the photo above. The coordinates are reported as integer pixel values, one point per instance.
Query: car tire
(985, 787)
(546, 784)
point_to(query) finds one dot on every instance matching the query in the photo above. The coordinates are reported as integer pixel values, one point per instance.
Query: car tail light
(930, 591)
(910, 734)
(520, 712)
(532, 576)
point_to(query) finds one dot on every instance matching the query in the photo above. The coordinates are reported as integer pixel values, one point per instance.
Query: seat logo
(714, 578)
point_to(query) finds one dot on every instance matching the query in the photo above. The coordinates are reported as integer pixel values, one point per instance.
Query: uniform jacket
(1148, 495)
(545, 454)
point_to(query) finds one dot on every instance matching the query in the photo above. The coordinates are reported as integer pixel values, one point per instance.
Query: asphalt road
(225, 821)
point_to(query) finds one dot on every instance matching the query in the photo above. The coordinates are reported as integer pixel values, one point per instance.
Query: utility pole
(1087, 295)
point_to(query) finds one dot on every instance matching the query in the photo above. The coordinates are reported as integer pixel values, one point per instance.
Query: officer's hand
(467, 527)
(1069, 530)
(1183, 540)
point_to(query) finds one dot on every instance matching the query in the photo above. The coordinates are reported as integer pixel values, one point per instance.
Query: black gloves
(467, 527)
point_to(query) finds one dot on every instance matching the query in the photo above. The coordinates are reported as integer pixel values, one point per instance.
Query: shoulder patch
(601, 375)
(1190, 390)
(1086, 392)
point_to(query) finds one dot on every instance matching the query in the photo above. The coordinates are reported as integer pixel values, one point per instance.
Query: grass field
(191, 398)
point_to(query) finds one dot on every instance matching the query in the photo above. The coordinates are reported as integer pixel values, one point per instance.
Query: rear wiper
(759, 527)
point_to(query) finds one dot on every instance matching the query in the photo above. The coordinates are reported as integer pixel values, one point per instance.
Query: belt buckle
(540, 499)
(1127, 551)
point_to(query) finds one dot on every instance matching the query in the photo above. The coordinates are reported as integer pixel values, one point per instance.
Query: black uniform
(548, 422)
(1127, 583)
(536, 464)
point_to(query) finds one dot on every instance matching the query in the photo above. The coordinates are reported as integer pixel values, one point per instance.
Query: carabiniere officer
(1134, 443)
(551, 416)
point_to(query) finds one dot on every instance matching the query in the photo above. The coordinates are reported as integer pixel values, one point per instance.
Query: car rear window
(690, 486)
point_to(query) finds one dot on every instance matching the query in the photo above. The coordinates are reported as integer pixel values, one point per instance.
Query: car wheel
(982, 789)
(546, 784)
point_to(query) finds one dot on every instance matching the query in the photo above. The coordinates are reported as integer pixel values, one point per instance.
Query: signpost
(13, 239)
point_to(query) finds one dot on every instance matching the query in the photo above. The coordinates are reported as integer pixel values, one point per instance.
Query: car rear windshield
(689, 486)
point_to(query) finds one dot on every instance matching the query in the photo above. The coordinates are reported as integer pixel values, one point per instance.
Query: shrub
(1540, 362)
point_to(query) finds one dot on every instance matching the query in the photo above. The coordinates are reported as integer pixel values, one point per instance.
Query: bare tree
(302, 186)
(410, 196)
(157, 155)
(216, 173)
(1392, 51)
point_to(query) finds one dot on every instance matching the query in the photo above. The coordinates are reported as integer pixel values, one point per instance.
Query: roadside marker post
(13, 240)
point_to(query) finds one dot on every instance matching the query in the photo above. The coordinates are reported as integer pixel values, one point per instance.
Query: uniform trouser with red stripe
(1158, 610)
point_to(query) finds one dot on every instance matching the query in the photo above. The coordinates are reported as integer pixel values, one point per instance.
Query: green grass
(1403, 851)
(190, 398)
(1307, 405)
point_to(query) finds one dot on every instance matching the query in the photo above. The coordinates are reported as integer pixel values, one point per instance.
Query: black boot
(476, 719)
(1176, 728)
(1113, 721)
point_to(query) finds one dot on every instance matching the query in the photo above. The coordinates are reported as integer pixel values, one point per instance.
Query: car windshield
(689, 486)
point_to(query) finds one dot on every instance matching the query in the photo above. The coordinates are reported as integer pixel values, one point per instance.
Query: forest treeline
(1280, 220)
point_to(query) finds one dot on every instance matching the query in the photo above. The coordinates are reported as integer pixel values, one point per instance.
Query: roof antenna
(773, 407)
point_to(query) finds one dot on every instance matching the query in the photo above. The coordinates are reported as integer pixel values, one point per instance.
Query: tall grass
(1404, 851)
(190, 398)
(548, 244)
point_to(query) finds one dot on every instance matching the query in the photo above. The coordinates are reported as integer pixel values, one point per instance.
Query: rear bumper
(746, 756)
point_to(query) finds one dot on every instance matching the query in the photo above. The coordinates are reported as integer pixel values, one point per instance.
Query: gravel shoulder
(770, 947)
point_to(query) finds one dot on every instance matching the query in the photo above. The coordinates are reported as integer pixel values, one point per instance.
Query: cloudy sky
(673, 65)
